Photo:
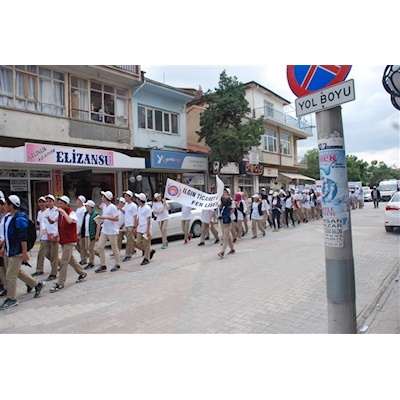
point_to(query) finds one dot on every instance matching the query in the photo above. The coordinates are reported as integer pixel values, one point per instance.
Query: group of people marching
(90, 227)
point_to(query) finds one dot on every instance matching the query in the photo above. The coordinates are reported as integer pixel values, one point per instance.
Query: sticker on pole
(306, 79)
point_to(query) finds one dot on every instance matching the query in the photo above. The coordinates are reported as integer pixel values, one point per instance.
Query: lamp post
(391, 83)
(136, 179)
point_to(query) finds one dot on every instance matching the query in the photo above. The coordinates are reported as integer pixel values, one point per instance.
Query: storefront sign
(253, 169)
(20, 185)
(271, 172)
(230, 169)
(61, 155)
(193, 179)
(175, 160)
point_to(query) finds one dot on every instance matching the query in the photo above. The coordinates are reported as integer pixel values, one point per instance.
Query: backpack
(31, 233)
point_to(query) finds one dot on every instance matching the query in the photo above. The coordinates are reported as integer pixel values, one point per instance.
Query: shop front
(38, 169)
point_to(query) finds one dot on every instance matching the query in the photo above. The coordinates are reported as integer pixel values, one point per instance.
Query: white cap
(90, 203)
(108, 195)
(42, 198)
(157, 195)
(228, 190)
(2, 194)
(141, 196)
(82, 199)
(263, 190)
(271, 191)
(129, 193)
(64, 198)
(15, 200)
(50, 196)
(122, 200)
(275, 194)
(255, 196)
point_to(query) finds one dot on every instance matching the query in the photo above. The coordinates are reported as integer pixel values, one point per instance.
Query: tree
(225, 126)
(312, 161)
(356, 169)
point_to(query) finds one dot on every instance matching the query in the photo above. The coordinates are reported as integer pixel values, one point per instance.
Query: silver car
(392, 213)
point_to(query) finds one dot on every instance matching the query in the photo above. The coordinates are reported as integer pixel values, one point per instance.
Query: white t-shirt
(121, 221)
(87, 224)
(47, 227)
(39, 219)
(144, 212)
(131, 210)
(240, 216)
(289, 202)
(255, 212)
(80, 213)
(206, 216)
(110, 227)
(157, 207)
(186, 213)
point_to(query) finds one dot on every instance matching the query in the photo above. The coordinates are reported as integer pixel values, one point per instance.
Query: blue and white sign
(175, 160)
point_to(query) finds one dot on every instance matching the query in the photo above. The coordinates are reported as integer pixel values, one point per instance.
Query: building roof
(253, 83)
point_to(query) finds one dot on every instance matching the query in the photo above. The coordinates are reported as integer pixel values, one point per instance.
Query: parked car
(392, 213)
(174, 224)
(367, 193)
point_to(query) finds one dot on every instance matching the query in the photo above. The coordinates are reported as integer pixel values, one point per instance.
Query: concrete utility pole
(339, 259)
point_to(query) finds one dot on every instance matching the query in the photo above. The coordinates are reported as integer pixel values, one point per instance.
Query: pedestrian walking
(376, 196)
(276, 209)
(13, 246)
(186, 216)
(90, 231)
(68, 237)
(42, 237)
(2, 270)
(207, 225)
(109, 232)
(142, 228)
(81, 245)
(130, 210)
(256, 216)
(161, 212)
(289, 209)
(121, 223)
(50, 236)
(225, 218)
(306, 206)
(241, 210)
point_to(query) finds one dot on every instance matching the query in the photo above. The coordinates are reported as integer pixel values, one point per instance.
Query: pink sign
(61, 155)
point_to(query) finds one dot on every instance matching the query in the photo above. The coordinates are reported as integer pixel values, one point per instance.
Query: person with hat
(68, 236)
(226, 220)
(276, 210)
(266, 200)
(256, 215)
(121, 223)
(2, 271)
(80, 212)
(49, 226)
(14, 235)
(90, 231)
(42, 237)
(109, 232)
(130, 210)
(160, 210)
(142, 228)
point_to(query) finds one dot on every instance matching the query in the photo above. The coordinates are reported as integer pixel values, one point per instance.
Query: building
(66, 130)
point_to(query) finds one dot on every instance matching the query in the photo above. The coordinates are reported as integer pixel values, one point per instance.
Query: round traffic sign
(306, 79)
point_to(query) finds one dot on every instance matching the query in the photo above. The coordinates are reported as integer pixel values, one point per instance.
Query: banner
(192, 197)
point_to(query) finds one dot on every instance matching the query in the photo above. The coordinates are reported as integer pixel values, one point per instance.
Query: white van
(387, 188)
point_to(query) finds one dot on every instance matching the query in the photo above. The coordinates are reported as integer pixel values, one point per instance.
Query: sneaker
(152, 254)
(112, 255)
(115, 268)
(56, 288)
(89, 266)
(232, 251)
(51, 278)
(185, 242)
(102, 268)
(164, 246)
(254, 237)
(145, 261)
(82, 262)
(28, 289)
(37, 273)
(207, 238)
(216, 241)
(8, 304)
(127, 258)
(81, 278)
(264, 234)
(234, 240)
(221, 254)
(201, 244)
(38, 289)
(3, 293)
(190, 237)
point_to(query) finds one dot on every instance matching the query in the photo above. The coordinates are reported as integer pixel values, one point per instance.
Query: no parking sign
(306, 79)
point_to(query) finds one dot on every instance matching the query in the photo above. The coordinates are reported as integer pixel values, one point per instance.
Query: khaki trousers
(68, 258)
(185, 227)
(143, 244)
(90, 245)
(130, 241)
(163, 229)
(113, 239)
(51, 253)
(257, 223)
(226, 236)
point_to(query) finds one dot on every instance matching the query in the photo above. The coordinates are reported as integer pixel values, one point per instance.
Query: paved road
(274, 284)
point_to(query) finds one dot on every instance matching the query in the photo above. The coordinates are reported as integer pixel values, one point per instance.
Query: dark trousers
(289, 211)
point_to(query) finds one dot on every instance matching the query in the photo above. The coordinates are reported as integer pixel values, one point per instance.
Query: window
(268, 109)
(285, 145)
(33, 88)
(99, 102)
(161, 121)
(270, 141)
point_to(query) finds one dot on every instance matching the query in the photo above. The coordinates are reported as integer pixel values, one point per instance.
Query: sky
(371, 123)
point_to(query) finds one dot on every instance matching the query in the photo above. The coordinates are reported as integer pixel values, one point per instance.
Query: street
(273, 284)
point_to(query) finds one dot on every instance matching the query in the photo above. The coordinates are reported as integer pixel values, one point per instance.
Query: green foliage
(225, 127)
(357, 170)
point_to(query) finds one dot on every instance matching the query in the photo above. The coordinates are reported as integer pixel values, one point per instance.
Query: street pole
(339, 261)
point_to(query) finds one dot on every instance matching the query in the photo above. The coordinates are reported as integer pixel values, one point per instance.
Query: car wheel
(195, 230)
(389, 228)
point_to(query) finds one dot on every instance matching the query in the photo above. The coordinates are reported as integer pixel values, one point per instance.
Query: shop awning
(296, 176)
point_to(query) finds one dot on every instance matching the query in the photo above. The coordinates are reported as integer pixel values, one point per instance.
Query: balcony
(282, 119)
(300, 162)
(133, 69)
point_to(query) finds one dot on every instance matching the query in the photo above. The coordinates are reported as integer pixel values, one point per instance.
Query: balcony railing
(268, 112)
(300, 161)
(133, 69)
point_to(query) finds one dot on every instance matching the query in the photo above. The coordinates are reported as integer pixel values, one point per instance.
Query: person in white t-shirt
(142, 228)
(81, 245)
(109, 232)
(306, 206)
(121, 222)
(289, 209)
(160, 210)
(130, 211)
(42, 237)
(186, 216)
(256, 216)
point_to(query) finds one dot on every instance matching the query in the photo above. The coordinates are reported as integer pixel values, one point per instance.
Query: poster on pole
(335, 195)
(192, 197)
